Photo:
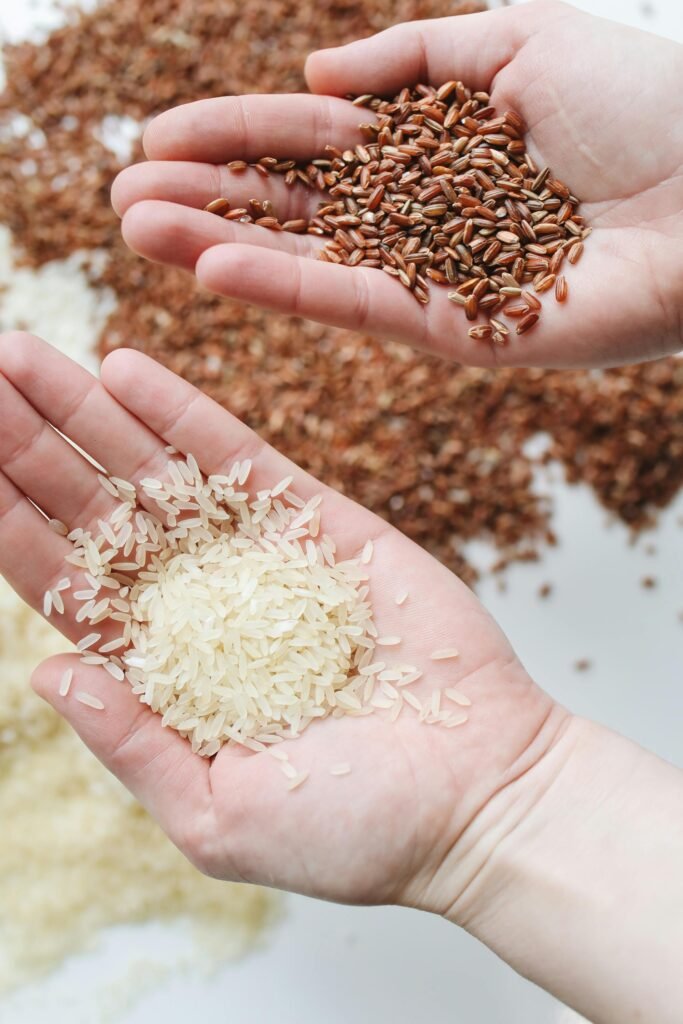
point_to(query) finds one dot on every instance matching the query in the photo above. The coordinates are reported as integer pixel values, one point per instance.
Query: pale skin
(527, 826)
(604, 108)
(427, 783)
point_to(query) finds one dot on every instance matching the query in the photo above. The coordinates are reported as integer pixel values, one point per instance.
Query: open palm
(604, 108)
(380, 833)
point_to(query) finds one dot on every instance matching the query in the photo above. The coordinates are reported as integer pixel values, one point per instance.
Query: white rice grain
(87, 698)
(281, 487)
(443, 653)
(296, 782)
(244, 471)
(108, 486)
(113, 645)
(411, 699)
(458, 698)
(239, 625)
(278, 754)
(88, 641)
(65, 682)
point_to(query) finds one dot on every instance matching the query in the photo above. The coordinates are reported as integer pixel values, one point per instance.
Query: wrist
(572, 874)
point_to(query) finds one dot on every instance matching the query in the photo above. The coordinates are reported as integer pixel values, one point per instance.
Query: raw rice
(457, 697)
(238, 625)
(65, 682)
(87, 698)
(411, 699)
(442, 191)
(93, 659)
(88, 641)
(443, 653)
(298, 780)
(108, 486)
(113, 645)
(455, 720)
(278, 754)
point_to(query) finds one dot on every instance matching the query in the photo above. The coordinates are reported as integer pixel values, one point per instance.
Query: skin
(596, 113)
(525, 825)
(377, 835)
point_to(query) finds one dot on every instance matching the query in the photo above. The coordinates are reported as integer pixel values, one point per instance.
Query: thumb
(155, 763)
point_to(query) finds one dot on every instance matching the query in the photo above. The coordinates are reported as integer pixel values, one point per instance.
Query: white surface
(54, 302)
(599, 610)
(340, 965)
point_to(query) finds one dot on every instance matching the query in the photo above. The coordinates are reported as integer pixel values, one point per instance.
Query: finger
(356, 298)
(156, 764)
(176, 235)
(292, 127)
(80, 408)
(32, 557)
(366, 299)
(195, 185)
(471, 47)
(32, 560)
(44, 466)
(192, 422)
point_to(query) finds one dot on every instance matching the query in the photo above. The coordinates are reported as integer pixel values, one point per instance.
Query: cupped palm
(377, 834)
(604, 108)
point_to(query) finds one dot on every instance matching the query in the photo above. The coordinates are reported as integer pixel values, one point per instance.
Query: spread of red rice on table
(440, 455)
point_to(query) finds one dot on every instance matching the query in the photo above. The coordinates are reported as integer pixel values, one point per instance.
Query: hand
(602, 103)
(380, 834)
(530, 828)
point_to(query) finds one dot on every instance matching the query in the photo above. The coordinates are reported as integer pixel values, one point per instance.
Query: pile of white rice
(228, 612)
(78, 854)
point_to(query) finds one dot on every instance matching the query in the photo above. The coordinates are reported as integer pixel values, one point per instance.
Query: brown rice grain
(526, 323)
(561, 289)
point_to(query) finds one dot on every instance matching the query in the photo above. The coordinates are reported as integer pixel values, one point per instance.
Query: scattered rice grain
(65, 682)
(443, 653)
(87, 698)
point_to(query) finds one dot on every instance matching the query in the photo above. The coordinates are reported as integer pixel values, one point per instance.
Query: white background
(338, 965)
